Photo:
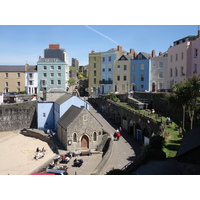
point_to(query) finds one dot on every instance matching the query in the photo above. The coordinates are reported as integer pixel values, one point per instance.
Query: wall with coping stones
(18, 116)
(124, 117)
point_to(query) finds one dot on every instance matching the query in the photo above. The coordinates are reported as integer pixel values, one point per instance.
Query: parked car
(57, 172)
(41, 173)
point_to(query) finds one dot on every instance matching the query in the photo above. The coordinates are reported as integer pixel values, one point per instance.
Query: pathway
(123, 150)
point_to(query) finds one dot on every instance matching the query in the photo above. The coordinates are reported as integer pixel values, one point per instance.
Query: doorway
(85, 142)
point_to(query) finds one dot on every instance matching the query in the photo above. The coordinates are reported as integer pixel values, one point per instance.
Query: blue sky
(25, 43)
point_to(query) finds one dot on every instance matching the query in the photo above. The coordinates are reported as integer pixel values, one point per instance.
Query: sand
(17, 153)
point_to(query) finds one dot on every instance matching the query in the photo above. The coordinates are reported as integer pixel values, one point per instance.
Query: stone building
(79, 130)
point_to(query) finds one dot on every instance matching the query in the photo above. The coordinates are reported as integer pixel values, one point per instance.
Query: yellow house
(122, 73)
(12, 78)
(94, 73)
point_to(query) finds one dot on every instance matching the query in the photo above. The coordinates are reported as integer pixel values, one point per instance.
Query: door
(85, 142)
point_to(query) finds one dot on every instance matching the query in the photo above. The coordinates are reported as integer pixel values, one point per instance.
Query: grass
(171, 133)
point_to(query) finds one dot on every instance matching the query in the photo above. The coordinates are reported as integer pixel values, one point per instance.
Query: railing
(105, 82)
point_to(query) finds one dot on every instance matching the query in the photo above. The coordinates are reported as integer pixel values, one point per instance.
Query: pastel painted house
(50, 111)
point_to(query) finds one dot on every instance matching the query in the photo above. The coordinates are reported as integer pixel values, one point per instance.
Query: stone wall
(18, 116)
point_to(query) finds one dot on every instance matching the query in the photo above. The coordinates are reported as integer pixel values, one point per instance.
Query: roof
(12, 68)
(49, 60)
(191, 140)
(31, 68)
(56, 90)
(63, 98)
(69, 116)
(125, 57)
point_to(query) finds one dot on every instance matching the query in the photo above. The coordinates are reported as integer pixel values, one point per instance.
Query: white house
(31, 79)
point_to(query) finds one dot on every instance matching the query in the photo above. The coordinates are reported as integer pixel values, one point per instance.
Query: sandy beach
(17, 153)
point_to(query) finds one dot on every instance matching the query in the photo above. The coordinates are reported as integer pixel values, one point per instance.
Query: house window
(133, 66)
(43, 82)
(95, 65)
(59, 74)
(94, 136)
(176, 71)
(84, 117)
(103, 70)
(44, 74)
(95, 81)
(59, 67)
(103, 59)
(134, 77)
(124, 78)
(182, 55)
(171, 58)
(109, 58)
(18, 83)
(142, 87)
(182, 72)
(59, 82)
(94, 58)
(140, 57)
(171, 72)
(176, 57)
(125, 67)
(52, 82)
(123, 86)
(44, 114)
(118, 78)
(109, 69)
(74, 137)
(30, 75)
(95, 72)
(52, 68)
(160, 65)
(6, 75)
(118, 67)
(44, 67)
(195, 53)
(30, 82)
(160, 74)
(52, 74)
(6, 84)
(195, 68)
(142, 66)
(141, 77)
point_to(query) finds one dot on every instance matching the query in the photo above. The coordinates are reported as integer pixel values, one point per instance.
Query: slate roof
(31, 68)
(63, 98)
(12, 68)
(190, 141)
(69, 116)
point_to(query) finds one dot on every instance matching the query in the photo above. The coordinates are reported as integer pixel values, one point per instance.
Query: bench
(84, 153)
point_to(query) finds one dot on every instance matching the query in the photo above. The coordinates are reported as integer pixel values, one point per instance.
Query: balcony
(105, 81)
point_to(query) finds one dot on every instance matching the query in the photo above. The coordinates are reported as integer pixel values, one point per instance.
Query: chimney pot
(153, 53)
(54, 46)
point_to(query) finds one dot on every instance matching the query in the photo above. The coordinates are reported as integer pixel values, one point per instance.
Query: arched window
(94, 136)
(74, 137)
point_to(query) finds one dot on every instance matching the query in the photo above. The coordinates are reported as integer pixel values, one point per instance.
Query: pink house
(183, 59)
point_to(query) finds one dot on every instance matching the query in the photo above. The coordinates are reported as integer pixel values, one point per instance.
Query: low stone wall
(43, 137)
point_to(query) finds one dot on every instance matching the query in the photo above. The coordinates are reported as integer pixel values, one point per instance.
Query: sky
(21, 44)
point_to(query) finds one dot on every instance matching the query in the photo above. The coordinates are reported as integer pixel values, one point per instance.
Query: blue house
(52, 109)
(140, 72)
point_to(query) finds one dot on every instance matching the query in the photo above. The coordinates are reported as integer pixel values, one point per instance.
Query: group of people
(117, 134)
(39, 153)
(78, 162)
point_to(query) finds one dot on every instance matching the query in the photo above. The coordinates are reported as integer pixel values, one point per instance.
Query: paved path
(123, 150)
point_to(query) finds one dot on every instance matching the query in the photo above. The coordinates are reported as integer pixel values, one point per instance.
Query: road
(123, 150)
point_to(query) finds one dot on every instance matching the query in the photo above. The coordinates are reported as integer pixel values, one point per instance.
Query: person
(114, 136)
(152, 111)
(37, 150)
(168, 121)
(118, 135)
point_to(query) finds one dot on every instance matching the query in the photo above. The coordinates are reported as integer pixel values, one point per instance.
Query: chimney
(160, 53)
(54, 46)
(153, 54)
(119, 48)
(93, 51)
(132, 51)
(198, 33)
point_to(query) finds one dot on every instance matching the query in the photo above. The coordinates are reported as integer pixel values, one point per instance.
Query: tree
(185, 95)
